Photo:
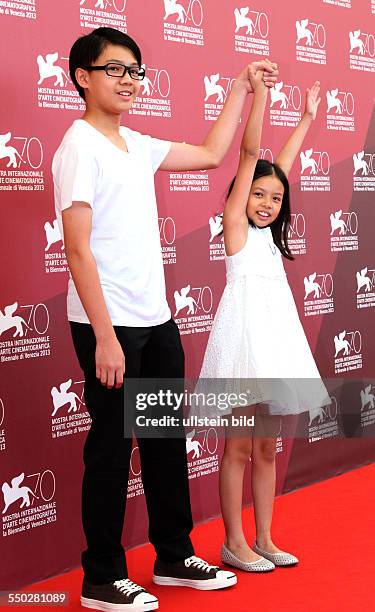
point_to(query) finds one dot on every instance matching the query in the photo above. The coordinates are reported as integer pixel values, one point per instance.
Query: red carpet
(330, 526)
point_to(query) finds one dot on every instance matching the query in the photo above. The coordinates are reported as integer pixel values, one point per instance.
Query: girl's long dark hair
(279, 227)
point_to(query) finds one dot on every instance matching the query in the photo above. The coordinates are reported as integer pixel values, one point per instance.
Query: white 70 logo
(314, 34)
(292, 97)
(38, 320)
(316, 161)
(208, 444)
(44, 486)
(362, 42)
(348, 342)
(31, 152)
(201, 299)
(342, 101)
(260, 23)
(365, 278)
(156, 82)
(31, 149)
(344, 222)
(319, 36)
(369, 43)
(297, 225)
(194, 11)
(255, 22)
(167, 230)
(364, 162)
(318, 284)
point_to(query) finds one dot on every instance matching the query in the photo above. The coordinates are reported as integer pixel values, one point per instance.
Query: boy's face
(112, 95)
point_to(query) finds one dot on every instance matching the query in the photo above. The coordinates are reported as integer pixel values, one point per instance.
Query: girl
(257, 334)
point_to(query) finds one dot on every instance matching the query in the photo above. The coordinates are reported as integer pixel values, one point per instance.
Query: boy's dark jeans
(150, 352)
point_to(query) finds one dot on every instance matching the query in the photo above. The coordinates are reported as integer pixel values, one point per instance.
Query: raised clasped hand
(268, 70)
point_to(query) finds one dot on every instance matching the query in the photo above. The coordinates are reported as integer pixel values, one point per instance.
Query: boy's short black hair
(88, 48)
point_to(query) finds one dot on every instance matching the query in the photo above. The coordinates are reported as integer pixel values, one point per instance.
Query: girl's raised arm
(290, 150)
(235, 221)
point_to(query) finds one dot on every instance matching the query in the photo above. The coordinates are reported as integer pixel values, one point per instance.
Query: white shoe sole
(248, 567)
(106, 606)
(201, 585)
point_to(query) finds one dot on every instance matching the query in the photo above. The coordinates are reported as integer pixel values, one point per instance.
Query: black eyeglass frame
(126, 69)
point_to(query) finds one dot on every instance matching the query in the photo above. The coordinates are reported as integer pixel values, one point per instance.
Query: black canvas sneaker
(193, 572)
(119, 595)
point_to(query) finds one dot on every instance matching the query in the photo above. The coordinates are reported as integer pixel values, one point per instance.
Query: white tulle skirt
(258, 347)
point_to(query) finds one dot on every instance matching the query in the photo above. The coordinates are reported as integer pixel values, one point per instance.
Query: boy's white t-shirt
(125, 238)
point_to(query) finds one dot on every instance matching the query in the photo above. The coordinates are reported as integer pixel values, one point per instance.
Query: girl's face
(265, 199)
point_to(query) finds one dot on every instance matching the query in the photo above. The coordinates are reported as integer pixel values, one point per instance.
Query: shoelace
(200, 564)
(127, 586)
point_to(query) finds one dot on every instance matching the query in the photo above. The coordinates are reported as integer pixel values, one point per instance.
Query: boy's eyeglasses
(120, 70)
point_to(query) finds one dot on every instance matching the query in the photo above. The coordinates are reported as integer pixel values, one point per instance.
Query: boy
(119, 316)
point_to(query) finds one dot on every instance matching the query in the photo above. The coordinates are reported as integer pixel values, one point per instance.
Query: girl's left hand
(312, 100)
(256, 77)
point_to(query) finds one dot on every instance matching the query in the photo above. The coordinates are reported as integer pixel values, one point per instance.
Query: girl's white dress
(257, 344)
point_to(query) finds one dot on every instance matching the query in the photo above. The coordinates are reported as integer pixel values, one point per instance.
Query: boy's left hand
(270, 74)
(312, 100)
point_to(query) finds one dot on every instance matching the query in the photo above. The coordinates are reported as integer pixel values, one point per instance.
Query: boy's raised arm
(212, 151)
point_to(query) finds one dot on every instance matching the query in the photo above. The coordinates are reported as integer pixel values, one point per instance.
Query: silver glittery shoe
(280, 559)
(262, 565)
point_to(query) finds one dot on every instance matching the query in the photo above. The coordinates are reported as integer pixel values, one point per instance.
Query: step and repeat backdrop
(193, 50)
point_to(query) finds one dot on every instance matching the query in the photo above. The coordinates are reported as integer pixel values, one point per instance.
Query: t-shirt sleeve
(159, 151)
(75, 174)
